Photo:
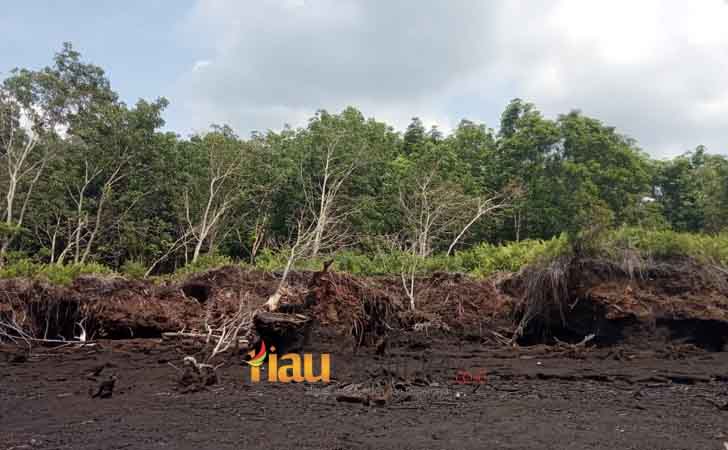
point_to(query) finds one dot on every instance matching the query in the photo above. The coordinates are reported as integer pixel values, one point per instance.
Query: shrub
(486, 259)
(270, 261)
(65, 274)
(56, 274)
(24, 267)
(712, 249)
(134, 269)
(204, 263)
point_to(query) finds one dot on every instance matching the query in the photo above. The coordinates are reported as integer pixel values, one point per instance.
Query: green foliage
(65, 274)
(487, 259)
(480, 261)
(136, 194)
(204, 263)
(54, 273)
(270, 261)
(134, 269)
(25, 268)
(661, 244)
(8, 229)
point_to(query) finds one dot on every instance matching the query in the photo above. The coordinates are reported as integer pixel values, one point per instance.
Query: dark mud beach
(529, 398)
(607, 360)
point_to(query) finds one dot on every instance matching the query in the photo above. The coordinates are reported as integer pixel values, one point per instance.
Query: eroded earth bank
(585, 355)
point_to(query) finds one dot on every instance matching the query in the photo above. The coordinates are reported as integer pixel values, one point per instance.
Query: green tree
(55, 101)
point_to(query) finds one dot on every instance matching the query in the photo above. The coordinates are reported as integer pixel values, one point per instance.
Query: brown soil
(679, 301)
(654, 375)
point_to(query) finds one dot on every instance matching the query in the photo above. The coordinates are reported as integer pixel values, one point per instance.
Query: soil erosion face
(594, 358)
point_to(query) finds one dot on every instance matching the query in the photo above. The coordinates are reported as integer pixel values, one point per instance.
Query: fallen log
(180, 335)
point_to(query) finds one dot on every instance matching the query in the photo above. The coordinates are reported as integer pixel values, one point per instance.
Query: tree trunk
(198, 248)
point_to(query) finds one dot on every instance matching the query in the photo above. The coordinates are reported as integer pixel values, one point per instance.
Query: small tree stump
(287, 332)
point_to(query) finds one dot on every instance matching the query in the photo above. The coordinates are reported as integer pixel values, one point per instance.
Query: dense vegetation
(90, 183)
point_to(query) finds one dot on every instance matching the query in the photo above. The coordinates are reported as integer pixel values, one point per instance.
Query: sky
(657, 70)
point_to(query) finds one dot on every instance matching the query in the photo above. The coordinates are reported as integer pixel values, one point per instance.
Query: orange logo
(289, 367)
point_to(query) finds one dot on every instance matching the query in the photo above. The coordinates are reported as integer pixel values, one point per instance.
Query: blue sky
(655, 69)
(136, 42)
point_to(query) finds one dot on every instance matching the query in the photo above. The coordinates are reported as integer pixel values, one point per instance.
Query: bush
(23, 267)
(56, 274)
(480, 261)
(65, 274)
(661, 244)
(134, 269)
(204, 263)
(270, 261)
(486, 259)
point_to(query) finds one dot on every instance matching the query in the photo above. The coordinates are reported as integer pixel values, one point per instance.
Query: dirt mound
(370, 307)
(464, 304)
(360, 307)
(679, 300)
(111, 307)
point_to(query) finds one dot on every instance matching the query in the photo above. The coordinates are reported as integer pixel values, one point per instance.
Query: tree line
(86, 177)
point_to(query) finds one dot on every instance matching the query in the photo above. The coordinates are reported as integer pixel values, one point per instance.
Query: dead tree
(484, 206)
(220, 333)
(430, 208)
(23, 160)
(207, 208)
(223, 334)
(323, 197)
(181, 242)
(87, 225)
(301, 244)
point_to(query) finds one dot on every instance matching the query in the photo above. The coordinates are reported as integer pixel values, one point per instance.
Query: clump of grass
(54, 273)
(203, 263)
(665, 244)
(134, 269)
(65, 274)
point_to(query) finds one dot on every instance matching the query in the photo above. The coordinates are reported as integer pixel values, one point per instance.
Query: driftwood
(285, 331)
(279, 321)
(201, 337)
(367, 396)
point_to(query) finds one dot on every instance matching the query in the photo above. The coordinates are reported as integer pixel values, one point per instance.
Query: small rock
(105, 389)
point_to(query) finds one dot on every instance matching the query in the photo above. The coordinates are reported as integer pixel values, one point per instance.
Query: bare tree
(517, 223)
(220, 334)
(321, 227)
(302, 241)
(23, 161)
(430, 208)
(260, 229)
(409, 263)
(485, 205)
(336, 170)
(206, 208)
(106, 191)
(300, 245)
(176, 245)
(83, 223)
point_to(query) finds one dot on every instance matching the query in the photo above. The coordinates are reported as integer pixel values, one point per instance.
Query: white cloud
(199, 65)
(658, 70)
